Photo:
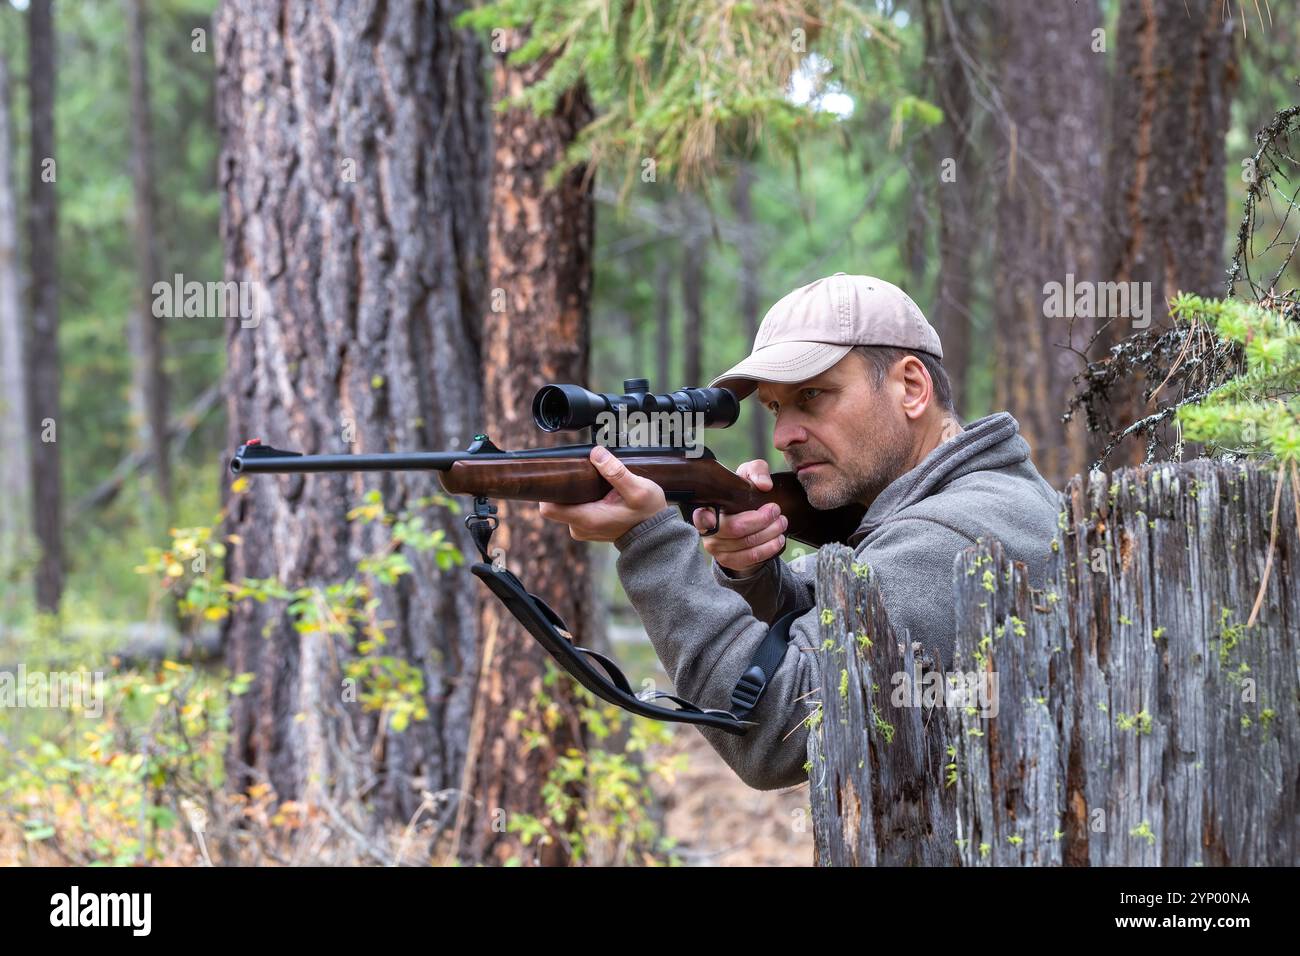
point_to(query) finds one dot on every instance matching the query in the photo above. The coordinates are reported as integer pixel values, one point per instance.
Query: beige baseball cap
(816, 325)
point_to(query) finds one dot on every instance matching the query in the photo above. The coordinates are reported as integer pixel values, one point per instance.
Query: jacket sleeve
(775, 589)
(706, 635)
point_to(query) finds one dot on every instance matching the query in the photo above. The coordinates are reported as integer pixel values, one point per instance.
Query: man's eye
(810, 393)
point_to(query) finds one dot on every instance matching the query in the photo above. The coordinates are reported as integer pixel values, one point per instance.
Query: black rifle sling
(762, 667)
(608, 682)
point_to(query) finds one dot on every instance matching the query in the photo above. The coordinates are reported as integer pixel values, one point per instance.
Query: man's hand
(747, 539)
(630, 501)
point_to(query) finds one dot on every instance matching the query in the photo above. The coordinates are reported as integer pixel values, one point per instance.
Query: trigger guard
(717, 522)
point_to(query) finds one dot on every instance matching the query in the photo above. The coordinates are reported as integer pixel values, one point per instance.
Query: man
(850, 370)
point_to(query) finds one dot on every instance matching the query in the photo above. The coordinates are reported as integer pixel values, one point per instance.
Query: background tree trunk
(353, 173)
(15, 463)
(959, 186)
(1165, 187)
(695, 250)
(1048, 215)
(149, 377)
(750, 290)
(43, 338)
(540, 268)
(663, 326)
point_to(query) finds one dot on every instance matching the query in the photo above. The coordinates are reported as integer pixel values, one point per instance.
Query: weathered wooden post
(876, 769)
(1124, 713)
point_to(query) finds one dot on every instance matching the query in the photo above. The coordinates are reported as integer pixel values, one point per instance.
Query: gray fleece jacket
(705, 624)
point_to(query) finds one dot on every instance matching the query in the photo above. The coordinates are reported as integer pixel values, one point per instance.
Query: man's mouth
(805, 466)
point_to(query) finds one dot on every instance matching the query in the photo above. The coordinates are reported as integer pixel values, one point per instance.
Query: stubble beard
(885, 460)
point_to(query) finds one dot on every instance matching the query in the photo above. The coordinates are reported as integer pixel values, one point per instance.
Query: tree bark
(15, 463)
(353, 170)
(1048, 214)
(1165, 195)
(540, 266)
(43, 365)
(149, 377)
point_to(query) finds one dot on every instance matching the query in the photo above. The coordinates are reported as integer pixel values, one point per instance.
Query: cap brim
(783, 362)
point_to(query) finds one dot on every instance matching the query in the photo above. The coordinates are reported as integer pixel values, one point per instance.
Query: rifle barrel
(254, 458)
(291, 463)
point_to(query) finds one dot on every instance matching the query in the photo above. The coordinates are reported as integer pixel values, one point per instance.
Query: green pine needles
(1256, 414)
(677, 84)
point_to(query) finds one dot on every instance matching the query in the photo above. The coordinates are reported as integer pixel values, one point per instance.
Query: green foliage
(1257, 413)
(113, 790)
(349, 609)
(672, 79)
(597, 801)
(123, 789)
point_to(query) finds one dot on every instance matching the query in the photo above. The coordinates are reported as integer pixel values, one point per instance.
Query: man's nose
(788, 433)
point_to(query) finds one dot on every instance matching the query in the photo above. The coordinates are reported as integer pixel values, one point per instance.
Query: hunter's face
(844, 439)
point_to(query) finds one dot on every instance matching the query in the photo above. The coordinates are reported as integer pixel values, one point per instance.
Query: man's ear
(918, 390)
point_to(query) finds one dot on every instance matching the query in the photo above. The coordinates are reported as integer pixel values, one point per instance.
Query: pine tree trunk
(1165, 212)
(540, 265)
(149, 377)
(15, 463)
(1048, 215)
(353, 172)
(43, 366)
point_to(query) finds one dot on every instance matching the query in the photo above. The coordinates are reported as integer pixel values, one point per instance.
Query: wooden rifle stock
(689, 483)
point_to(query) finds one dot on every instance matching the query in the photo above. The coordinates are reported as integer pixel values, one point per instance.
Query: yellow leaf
(175, 570)
(173, 666)
(239, 485)
(215, 613)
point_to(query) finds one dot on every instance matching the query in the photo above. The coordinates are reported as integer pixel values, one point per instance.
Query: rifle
(691, 478)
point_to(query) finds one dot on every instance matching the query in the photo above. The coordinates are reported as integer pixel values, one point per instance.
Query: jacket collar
(989, 442)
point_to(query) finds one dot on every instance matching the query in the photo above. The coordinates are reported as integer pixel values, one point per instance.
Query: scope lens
(551, 409)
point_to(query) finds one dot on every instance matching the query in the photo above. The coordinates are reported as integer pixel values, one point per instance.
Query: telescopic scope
(566, 407)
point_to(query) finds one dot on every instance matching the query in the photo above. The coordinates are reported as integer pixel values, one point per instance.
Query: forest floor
(712, 815)
(717, 820)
